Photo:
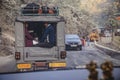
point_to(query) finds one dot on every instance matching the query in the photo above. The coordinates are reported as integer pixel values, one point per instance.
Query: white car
(73, 41)
(107, 34)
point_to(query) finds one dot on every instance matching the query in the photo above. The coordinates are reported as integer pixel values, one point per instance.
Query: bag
(31, 8)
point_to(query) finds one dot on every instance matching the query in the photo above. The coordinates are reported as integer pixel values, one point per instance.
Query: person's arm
(51, 35)
(44, 37)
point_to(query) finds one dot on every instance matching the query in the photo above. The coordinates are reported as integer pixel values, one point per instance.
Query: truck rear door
(40, 54)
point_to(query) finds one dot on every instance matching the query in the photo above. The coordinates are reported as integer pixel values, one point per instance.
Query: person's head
(83, 37)
(46, 24)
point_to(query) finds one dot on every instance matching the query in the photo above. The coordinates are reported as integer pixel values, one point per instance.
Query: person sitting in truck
(48, 37)
(28, 37)
(50, 11)
(40, 11)
(50, 8)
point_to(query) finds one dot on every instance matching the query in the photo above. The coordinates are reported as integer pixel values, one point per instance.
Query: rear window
(35, 31)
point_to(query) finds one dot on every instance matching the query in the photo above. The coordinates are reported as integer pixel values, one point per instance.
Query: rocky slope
(9, 9)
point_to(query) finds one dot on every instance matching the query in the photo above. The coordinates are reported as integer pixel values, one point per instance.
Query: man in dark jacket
(48, 38)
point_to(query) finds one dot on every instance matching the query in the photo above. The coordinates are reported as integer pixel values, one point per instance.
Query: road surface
(80, 58)
(7, 64)
(74, 59)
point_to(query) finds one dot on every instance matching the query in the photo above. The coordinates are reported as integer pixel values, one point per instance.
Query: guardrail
(109, 51)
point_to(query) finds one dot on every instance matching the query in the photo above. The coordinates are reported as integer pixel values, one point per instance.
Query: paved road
(80, 58)
(7, 64)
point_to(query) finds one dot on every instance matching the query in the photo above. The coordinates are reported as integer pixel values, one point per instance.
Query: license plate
(73, 45)
(56, 65)
(40, 64)
(23, 66)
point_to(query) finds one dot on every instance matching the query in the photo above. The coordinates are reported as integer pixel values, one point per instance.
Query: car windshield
(33, 34)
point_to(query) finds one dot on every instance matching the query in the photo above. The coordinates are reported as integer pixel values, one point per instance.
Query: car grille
(73, 43)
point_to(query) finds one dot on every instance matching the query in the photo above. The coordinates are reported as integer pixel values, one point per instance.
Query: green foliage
(113, 22)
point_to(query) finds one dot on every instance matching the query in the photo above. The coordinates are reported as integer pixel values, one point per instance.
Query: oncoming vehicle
(72, 41)
(107, 33)
(33, 57)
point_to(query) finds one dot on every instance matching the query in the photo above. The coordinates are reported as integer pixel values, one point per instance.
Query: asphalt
(90, 53)
(7, 64)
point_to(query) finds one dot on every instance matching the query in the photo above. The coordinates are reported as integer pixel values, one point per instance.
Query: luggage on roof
(35, 9)
(31, 8)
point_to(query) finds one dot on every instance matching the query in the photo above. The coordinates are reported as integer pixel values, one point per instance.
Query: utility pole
(112, 33)
(112, 26)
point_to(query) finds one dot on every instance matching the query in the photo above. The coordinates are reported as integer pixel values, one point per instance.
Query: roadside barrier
(106, 49)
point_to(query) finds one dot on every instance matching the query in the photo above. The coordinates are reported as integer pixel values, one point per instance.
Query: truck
(94, 35)
(29, 58)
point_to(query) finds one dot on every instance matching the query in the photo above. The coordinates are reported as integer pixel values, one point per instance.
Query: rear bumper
(40, 65)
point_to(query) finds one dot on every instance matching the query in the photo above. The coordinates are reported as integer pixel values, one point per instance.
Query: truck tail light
(63, 54)
(17, 55)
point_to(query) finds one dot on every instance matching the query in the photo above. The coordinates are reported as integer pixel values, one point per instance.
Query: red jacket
(28, 38)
